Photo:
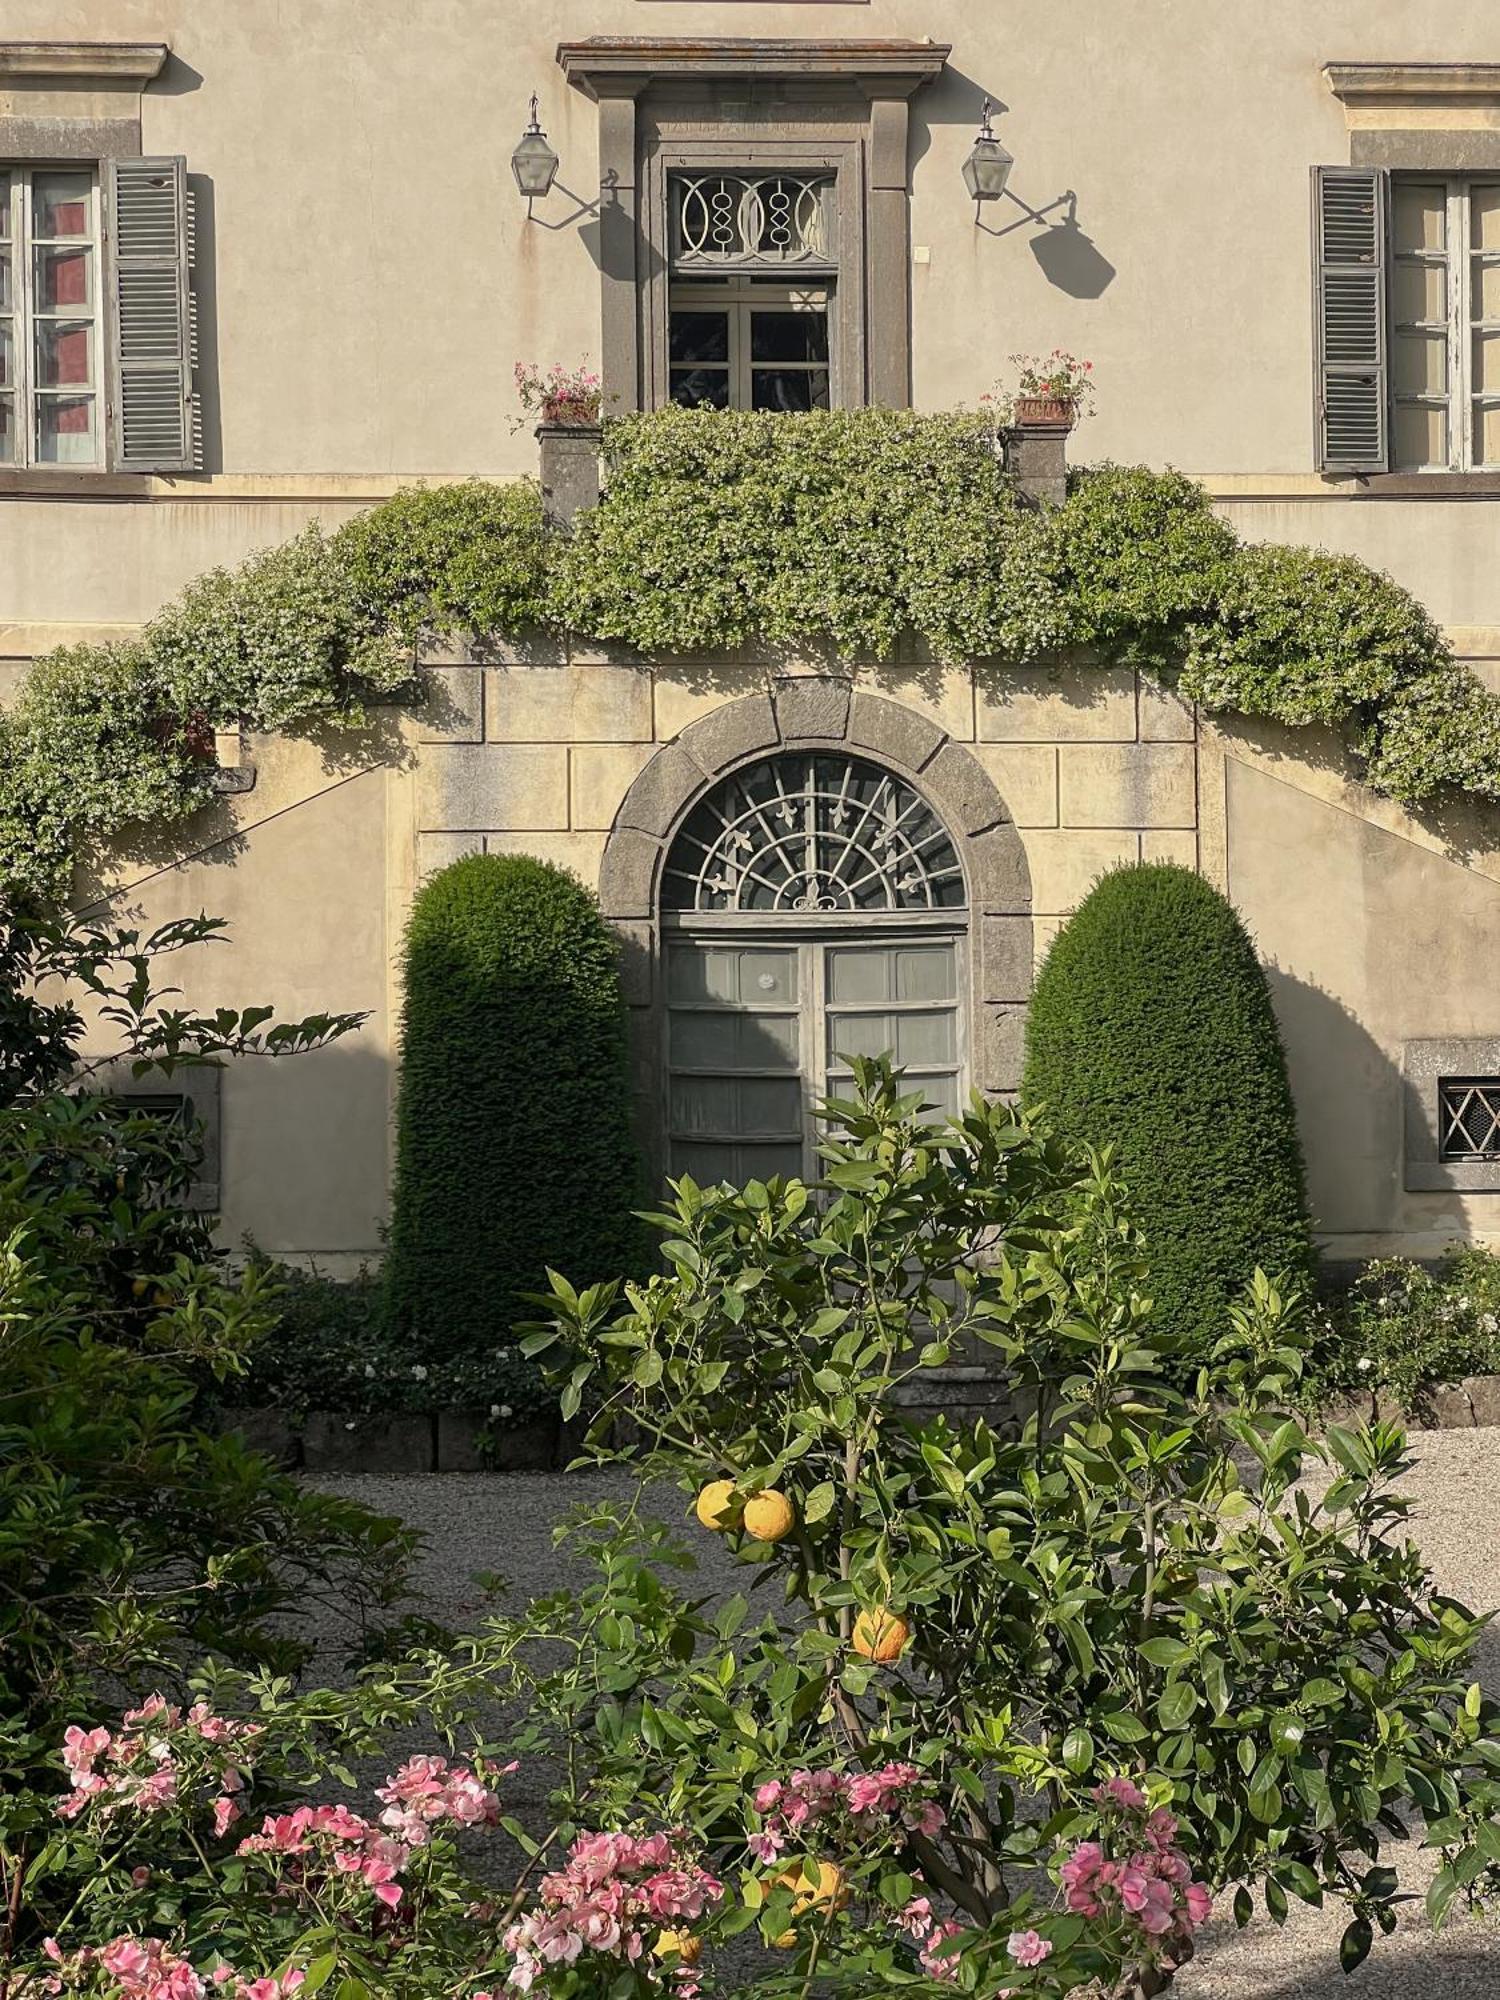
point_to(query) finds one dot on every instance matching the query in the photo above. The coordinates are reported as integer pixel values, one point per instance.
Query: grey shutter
(151, 315)
(1349, 291)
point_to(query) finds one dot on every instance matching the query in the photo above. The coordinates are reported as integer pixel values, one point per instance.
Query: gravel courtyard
(503, 1523)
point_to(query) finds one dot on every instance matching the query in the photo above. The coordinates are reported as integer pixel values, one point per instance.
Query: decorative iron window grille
(752, 222)
(793, 835)
(1469, 1117)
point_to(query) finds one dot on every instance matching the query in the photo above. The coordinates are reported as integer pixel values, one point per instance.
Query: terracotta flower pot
(570, 410)
(1045, 410)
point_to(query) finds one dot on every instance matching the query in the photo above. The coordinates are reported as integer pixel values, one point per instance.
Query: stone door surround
(825, 712)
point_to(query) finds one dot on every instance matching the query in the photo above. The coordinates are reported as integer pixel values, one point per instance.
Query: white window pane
(65, 280)
(1420, 292)
(925, 972)
(764, 1163)
(768, 978)
(940, 1092)
(1484, 215)
(1420, 364)
(1419, 215)
(770, 1104)
(1486, 364)
(7, 287)
(1421, 436)
(7, 430)
(7, 356)
(861, 1034)
(65, 430)
(7, 202)
(701, 975)
(708, 1165)
(924, 1038)
(60, 204)
(703, 1104)
(64, 354)
(859, 975)
(1486, 434)
(714, 1041)
(1486, 294)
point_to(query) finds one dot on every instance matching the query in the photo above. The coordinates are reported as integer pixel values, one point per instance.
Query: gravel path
(503, 1523)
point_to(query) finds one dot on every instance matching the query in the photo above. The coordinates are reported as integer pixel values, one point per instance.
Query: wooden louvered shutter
(151, 314)
(1349, 290)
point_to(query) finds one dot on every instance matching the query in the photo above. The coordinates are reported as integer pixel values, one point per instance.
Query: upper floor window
(50, 402)
(1445, 324)
(96, 318)
(753, 270)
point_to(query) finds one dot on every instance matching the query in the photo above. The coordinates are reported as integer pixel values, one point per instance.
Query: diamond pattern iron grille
(1469, 1117)
(799, 834)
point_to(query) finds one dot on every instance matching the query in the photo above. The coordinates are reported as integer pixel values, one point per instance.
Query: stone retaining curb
(449, 1441)
(446, 1441)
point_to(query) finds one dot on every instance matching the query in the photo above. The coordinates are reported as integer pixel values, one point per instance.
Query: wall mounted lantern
(988, 166)
(534, 163)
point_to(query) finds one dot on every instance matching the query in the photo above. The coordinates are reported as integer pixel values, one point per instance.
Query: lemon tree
(1084, 1592)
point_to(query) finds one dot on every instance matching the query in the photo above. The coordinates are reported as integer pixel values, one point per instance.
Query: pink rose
(1028, 1947)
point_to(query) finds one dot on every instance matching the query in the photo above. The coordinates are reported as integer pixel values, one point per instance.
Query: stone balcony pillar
(569, 469)
(1036, 451)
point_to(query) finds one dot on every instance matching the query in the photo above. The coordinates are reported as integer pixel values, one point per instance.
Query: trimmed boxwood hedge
(1151, 1030)
(514, 1149)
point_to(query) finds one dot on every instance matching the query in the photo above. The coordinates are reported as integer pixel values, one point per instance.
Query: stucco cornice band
(607, 64)
(83, 62)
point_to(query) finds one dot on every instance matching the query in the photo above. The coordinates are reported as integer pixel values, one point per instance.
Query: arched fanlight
(533, 163)
(988, 166)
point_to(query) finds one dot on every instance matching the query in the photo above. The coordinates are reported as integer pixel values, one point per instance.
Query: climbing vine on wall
(853, 533)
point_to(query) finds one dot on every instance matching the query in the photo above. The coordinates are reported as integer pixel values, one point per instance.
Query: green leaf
(1354, 1946)
(1077, 1751)
(819, 1503)
(1164, 1652)
(1176, 1704)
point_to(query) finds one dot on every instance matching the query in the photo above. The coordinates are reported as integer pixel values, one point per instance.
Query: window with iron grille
(753, 270)
(1469, 1117)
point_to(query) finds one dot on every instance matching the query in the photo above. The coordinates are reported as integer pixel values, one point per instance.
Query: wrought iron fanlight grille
(1469, 1117)
(752, 222)
(799, 834)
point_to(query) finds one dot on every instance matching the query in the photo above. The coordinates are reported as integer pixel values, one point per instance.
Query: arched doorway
(813, 908)
(915, 905)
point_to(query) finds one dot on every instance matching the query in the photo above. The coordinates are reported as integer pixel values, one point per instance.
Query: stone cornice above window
(80, 64)
(619, 64)
(1405, 83)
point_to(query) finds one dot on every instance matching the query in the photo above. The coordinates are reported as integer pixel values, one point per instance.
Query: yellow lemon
(769, 1517)
(679, 1945)
(138, 1287)
(716, 1505)
(880, 1636)
(811, 1891)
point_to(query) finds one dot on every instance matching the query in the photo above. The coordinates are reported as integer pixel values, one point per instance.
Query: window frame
(1457, 260)
(24, 319)
(738, 295)
(842, 159)
(811, 939)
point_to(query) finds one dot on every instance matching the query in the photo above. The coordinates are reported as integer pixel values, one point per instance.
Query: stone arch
(815, 712)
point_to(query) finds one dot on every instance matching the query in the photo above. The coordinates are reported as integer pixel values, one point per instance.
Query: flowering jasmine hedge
(844, 531)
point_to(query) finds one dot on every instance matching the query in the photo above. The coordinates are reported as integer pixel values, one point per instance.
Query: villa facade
(261, 264)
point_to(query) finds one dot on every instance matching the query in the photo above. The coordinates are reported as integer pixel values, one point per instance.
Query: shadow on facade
(1348, 1095)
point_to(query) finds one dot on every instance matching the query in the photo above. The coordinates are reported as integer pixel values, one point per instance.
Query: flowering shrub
(620, 1896)
(847, 531)
(1402, 1327)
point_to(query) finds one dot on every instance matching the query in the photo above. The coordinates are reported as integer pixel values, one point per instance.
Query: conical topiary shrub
(514, 1149)
(1151, 1030)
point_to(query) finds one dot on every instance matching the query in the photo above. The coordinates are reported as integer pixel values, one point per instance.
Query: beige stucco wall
(369, 275)
(1376, 928)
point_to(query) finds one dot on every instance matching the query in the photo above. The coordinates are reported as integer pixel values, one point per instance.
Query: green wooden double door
(758, 1031)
